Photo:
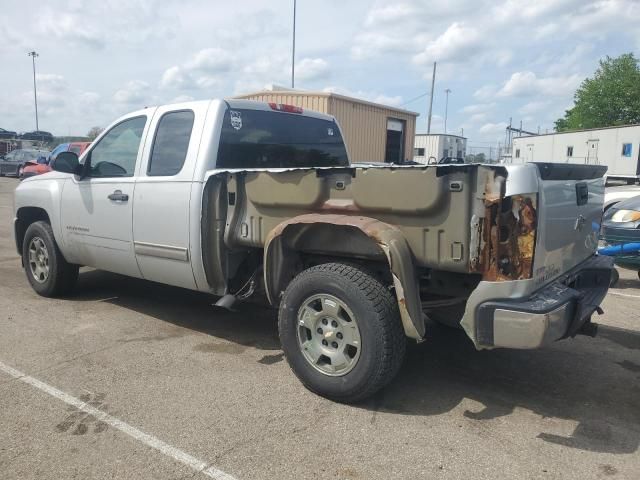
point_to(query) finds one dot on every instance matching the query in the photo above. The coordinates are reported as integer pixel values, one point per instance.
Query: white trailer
(616, 147)
(437, 146)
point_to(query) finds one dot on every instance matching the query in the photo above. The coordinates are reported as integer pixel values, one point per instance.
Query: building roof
(578, 131)
(283, 91)
(439, 135)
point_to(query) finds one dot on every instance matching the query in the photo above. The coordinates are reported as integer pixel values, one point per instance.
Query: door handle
(118, 196)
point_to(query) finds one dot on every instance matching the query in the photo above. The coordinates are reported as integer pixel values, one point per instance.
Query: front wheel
(47, 270)
(341, 332)
(20, 173)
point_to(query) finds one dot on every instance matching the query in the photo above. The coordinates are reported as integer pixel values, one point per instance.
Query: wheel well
(25, 217)
(302, 246)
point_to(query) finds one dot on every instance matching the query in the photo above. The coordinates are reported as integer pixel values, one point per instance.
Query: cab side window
(116, 153)
(171, 143)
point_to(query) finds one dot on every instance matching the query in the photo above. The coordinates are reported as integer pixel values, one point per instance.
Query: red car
(32, 168)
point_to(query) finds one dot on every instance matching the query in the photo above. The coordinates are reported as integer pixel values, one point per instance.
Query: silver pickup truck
(238, 198)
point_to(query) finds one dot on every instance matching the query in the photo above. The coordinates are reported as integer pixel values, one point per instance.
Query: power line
(414, 99)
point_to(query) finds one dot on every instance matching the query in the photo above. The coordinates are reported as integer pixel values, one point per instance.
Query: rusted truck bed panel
(430, 205)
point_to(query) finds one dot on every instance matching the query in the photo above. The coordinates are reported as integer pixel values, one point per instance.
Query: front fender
(41, 193)
(387, 238)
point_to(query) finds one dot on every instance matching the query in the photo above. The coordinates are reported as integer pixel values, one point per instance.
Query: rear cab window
(171, 143)
(271, 139)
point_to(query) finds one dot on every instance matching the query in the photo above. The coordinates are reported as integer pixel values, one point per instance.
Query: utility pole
(33, 56)
(433, 82)
(293, 49)
(446, 109)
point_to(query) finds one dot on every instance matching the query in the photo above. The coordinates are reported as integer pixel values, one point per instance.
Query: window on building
(569, 151)
(626, 149)
(171, 143)
(517, 153)
(418, 152)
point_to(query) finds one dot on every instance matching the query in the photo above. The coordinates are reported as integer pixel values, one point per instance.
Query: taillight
(281, 107)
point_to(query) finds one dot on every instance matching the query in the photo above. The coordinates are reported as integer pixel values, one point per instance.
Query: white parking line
(623, 294)
(139, 435)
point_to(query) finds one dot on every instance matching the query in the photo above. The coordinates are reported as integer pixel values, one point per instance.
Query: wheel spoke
(312, 351)
(308, 317)
(339, 360)
(351, 335)
(330, 307)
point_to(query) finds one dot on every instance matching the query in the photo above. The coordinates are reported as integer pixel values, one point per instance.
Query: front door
(592, 152)
(394, 152)
(97, 211)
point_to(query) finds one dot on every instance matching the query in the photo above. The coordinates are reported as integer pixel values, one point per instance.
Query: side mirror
(67, 162)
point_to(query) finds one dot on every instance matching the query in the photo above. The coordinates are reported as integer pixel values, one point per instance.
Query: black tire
(20, 172)
(62, 276)
(382, 340)
(615, 277)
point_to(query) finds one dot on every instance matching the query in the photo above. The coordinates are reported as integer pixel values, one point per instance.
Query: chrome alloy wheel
(38, 260)
(328, 335)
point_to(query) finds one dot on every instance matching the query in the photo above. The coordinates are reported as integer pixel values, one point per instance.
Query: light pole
(446, 109)
(433, 82)
(293, 50)
(33, 56)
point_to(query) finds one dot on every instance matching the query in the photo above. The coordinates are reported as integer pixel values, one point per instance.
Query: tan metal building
(372, 132)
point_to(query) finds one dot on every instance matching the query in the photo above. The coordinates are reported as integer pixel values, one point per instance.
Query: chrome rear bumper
(559, 310)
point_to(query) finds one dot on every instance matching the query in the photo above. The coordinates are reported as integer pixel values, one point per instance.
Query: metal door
(97, 211)
(592, 152)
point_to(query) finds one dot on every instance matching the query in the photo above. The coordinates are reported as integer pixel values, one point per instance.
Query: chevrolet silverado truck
(238, 198)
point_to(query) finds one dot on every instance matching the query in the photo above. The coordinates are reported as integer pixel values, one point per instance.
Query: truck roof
(245, 105)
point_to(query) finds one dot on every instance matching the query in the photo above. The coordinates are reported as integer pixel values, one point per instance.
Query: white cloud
(457, 43)
(493, 129)
(310, 69)
(201, 71)
(389, 14)
(134, 94)
(534, 106)
(478, 118)
(524, 84)
(478, 108)
(371, 44)
(486, 92)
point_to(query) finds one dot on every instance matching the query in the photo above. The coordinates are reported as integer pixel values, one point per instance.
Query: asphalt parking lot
(129, 379)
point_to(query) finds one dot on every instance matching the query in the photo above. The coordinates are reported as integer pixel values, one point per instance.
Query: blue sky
(501, 59)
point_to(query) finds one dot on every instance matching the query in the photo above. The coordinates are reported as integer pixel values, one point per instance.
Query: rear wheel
(48, 272)
(341, 332)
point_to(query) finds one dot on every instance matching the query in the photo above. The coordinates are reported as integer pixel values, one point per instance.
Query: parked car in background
(615, 194)
(38, 135)
(6, 134)
(13, 163)
(46, 165)
(621, 233)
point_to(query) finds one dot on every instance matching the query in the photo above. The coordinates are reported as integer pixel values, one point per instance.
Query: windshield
(264, 139)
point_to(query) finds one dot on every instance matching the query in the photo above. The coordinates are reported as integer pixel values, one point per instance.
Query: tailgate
(569, 214)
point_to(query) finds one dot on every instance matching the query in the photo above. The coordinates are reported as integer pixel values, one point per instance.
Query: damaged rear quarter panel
(503, 227)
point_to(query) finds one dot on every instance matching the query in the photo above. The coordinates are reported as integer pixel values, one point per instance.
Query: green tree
(611, 97)
(94, 132)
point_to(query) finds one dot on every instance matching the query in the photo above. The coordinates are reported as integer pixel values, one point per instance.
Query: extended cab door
(97, 210)
(162, 199)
